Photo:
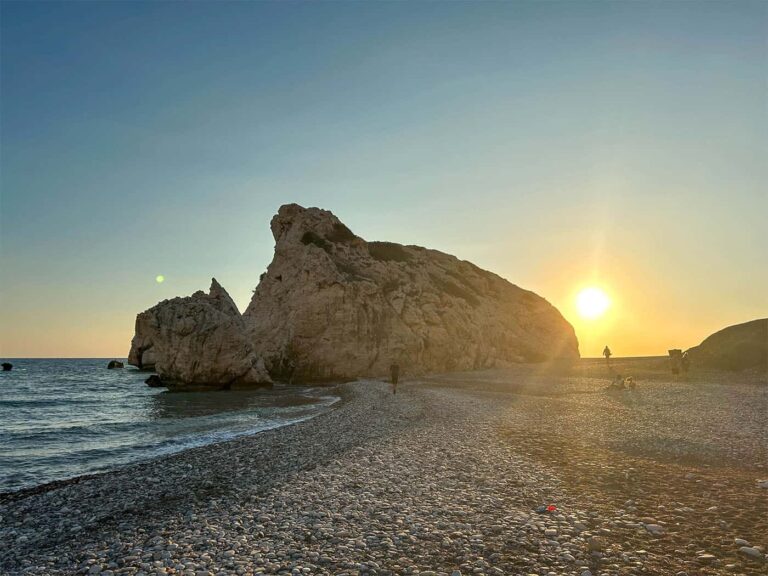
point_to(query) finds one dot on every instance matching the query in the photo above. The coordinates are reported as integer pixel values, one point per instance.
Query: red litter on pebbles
(551, 508)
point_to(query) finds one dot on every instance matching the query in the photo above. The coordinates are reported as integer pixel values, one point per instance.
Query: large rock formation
(740, 347)
(199, 340)
(333, 306)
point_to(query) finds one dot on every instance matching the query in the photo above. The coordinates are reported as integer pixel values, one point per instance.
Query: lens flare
(159, 278)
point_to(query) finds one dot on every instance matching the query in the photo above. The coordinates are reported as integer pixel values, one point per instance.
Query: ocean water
(61, 418)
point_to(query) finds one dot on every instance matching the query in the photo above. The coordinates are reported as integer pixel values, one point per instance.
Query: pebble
(655, 529)
(752, 553)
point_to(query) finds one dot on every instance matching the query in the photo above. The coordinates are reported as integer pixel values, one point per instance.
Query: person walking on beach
(394, 372)
(607, 354)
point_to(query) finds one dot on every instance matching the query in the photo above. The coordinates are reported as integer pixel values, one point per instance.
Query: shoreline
(11, 495)
(445, 476)
(21, 493)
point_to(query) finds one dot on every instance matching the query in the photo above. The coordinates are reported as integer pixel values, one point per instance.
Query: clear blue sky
(557, 144)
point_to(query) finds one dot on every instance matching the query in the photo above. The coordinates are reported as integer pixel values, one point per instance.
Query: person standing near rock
(685, 363)
(394, 372)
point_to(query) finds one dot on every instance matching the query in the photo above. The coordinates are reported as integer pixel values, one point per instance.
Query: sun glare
(592, 303)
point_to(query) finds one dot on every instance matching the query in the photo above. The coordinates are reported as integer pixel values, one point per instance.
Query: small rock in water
(154, 381)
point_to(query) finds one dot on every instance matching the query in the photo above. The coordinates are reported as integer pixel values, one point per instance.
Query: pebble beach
(514, 471)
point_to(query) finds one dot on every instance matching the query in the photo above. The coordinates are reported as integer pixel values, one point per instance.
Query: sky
(559, 144)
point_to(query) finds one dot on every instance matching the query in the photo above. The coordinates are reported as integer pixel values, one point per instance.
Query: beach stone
(752, 553)
(595, 544)
(655, 529)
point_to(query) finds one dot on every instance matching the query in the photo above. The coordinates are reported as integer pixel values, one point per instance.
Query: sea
(61, 418)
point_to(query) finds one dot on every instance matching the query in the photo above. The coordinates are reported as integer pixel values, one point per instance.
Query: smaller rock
(154, 381)
(752, 553)
(115, 364)
(706, 558)
(595, 544)
(655, 529)
(7, 366)
(740, 542)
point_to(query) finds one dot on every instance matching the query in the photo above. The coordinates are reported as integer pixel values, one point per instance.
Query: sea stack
(197, 341)
(333, 306)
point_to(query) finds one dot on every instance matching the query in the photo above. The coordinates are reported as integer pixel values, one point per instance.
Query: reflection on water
(61, 418)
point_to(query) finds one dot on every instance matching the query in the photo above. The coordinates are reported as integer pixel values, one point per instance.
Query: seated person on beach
(618, 383)
(630, 383)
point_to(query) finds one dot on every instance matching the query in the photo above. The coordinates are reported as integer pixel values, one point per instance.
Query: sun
(592, 302)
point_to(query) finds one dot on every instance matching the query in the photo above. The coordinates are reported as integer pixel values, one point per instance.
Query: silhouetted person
(607, 354)
(394, 372)
(685, 363)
